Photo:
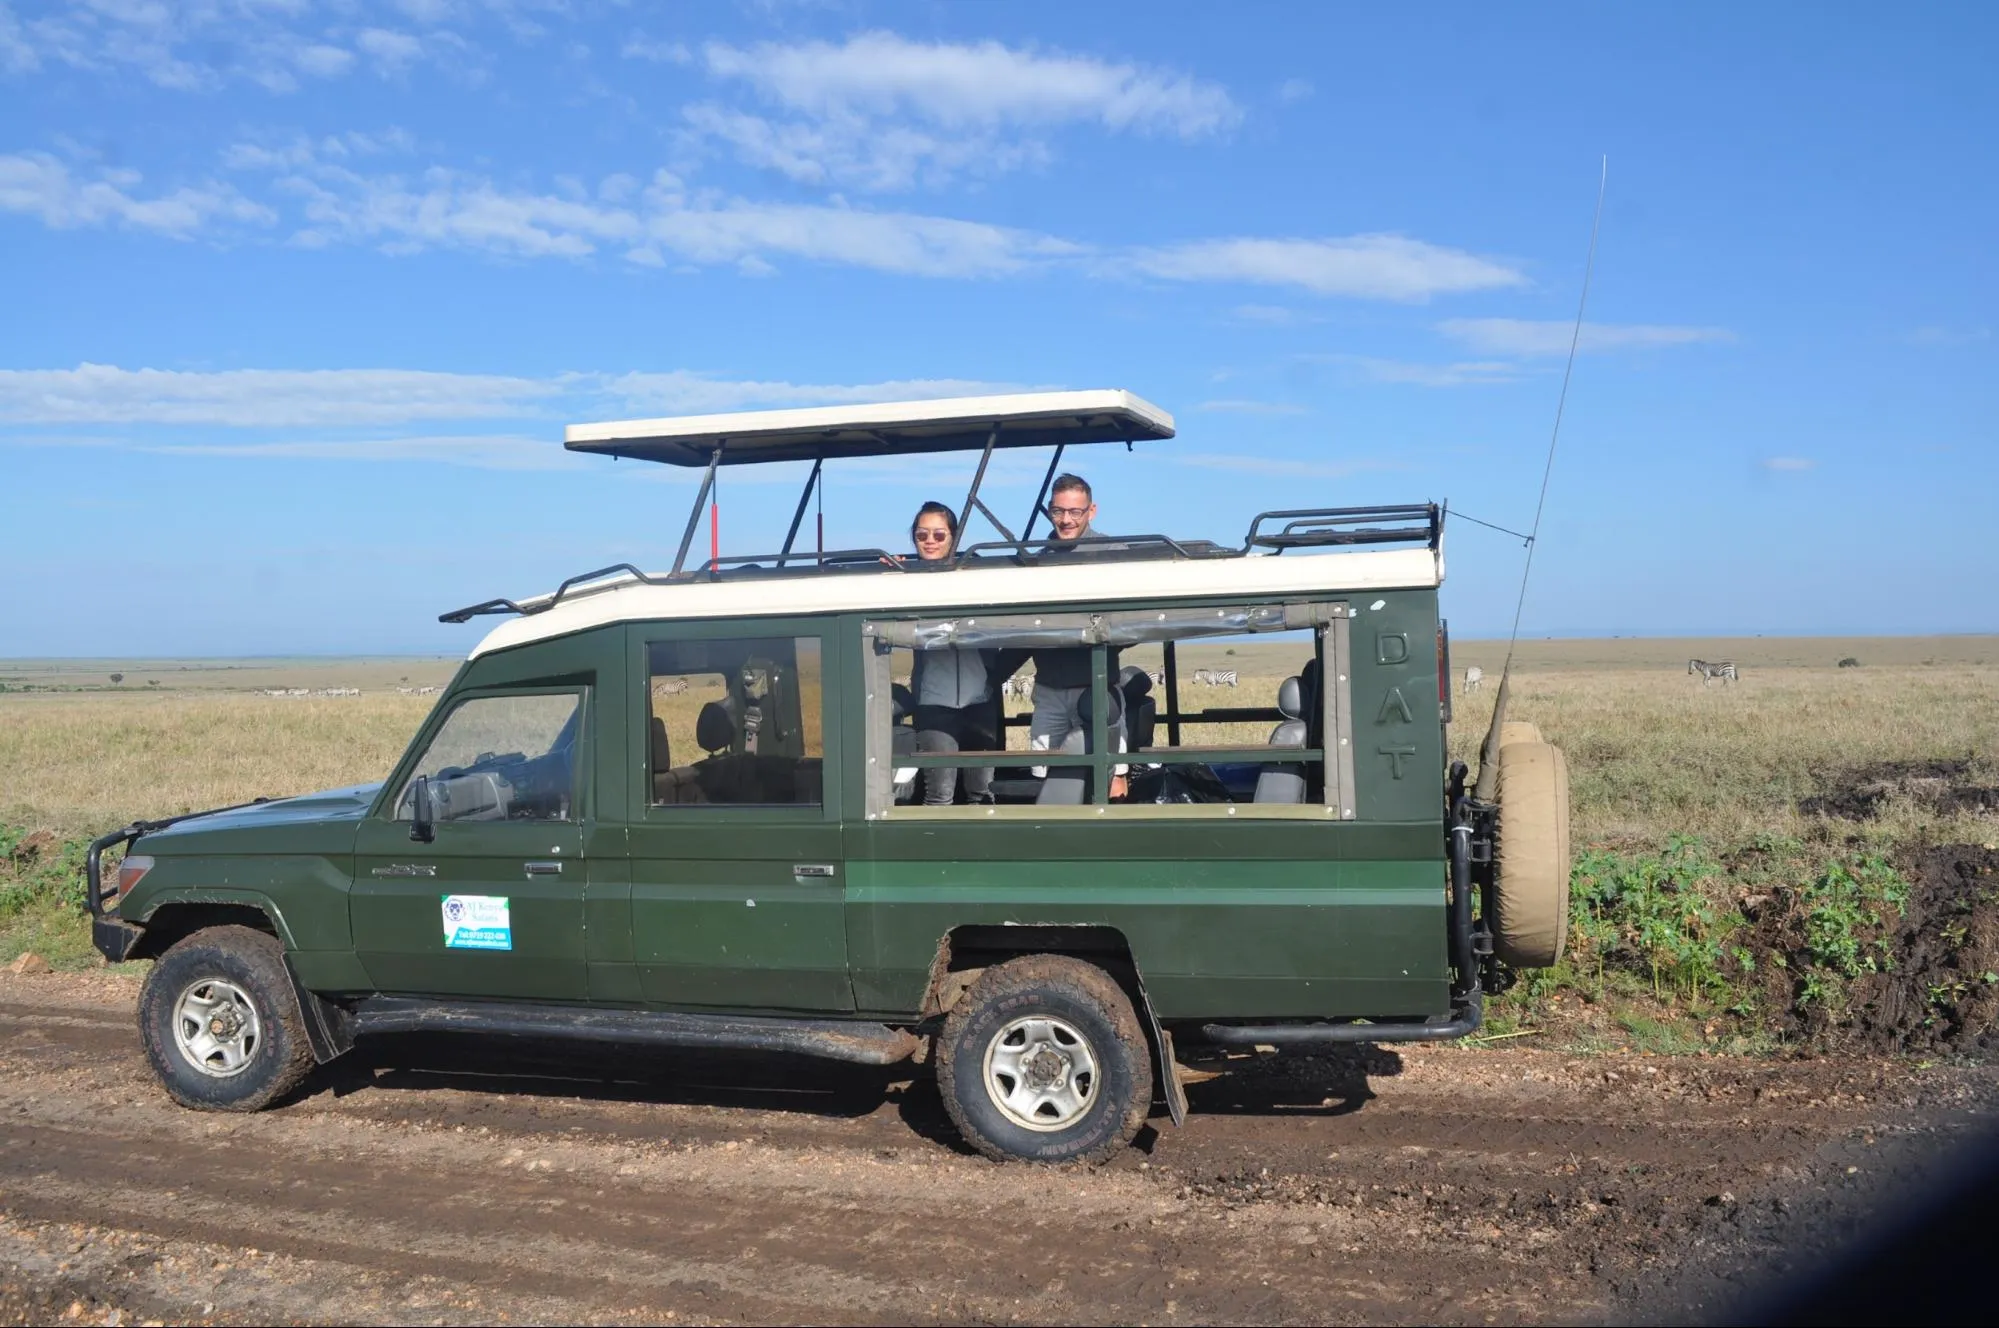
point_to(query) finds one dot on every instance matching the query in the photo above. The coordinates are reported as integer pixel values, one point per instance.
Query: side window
(1005, 711)
(735, 722)
(1234, 707)
(501, 758)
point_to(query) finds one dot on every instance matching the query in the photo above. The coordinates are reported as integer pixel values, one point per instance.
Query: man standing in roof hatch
(1062, 677)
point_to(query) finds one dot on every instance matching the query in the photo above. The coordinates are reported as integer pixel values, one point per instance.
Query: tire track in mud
(426, 1178)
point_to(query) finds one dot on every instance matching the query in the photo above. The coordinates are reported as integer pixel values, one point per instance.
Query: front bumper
(114, 937)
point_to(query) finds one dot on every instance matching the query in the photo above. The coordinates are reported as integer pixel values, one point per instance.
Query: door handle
(821, 869)
(542, 868)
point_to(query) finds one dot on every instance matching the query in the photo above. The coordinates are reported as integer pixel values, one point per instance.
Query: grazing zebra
(1474, 678)
(1709, 670)
(1215, 677)
(1158, 677)
(1019, 687)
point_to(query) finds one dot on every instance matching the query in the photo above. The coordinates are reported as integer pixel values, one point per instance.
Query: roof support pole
(811, 483)
(1034, 514)
(700, 501)
(978, 478)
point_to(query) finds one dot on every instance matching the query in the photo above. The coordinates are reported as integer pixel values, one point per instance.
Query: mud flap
(1166, 1064)
(328, 1028)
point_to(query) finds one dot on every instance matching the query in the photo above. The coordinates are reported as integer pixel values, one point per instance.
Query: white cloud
(1272, 315)
(106, 394)
(101, 394)
(45, 188)
(1239, 406)
(1530, 337)
(392, 51)
(883, 112)
(483, 451)
(1789, 465)
(443, 208)
(638, 46)
(1294, 90)
(1463, 373)
(190, 47)
(1379, 267)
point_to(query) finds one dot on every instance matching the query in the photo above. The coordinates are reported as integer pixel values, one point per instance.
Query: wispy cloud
(99, 394)
(1537, 337)
(1285, 467)
(481, 451)
(1377, 267)
(184, 47)
(1935, 335)
(1415, 373)
(883, 112)
(1240, 406)
(1294, 90)
(1272, 315)
(1789, 464)
(63, 198)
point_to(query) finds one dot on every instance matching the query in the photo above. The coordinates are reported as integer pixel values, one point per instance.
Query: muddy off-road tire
(221, 1024)
(1044, 1060)
(1531, 858)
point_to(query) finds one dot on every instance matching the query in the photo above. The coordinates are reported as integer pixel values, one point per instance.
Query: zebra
(1215, 677)
(1709, 670)
(1474, 679)
(1019, 687)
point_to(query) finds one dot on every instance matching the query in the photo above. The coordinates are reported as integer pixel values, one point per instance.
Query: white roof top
(1023, 419)
(1080, 581)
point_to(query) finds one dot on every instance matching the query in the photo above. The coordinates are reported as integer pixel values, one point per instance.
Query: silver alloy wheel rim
(1041, 1073)
(216, 1028)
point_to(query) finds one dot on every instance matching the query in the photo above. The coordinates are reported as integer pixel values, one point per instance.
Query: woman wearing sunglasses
(954, 687)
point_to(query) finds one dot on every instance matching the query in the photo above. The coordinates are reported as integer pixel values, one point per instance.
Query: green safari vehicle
(702, 808)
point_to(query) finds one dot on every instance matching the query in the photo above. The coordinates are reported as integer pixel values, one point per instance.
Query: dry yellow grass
(81, 762)
(1652, 751)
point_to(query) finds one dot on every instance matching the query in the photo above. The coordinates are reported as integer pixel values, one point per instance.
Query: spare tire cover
(1519, 730)
(1531, 858)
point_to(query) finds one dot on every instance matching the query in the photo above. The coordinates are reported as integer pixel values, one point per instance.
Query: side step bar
(829, 1039)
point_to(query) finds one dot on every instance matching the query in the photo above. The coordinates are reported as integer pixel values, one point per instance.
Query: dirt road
(423, 1182)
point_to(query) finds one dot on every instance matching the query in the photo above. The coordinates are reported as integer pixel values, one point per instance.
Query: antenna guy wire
(1561, 402)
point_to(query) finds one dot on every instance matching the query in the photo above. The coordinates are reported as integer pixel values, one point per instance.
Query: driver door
(493, 906)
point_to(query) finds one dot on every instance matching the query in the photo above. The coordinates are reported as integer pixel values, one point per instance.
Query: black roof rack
(1303, 528)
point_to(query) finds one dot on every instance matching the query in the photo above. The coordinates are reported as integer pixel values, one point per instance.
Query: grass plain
(1673, 779)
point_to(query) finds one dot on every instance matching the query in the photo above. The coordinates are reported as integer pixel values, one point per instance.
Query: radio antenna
(1488, 766)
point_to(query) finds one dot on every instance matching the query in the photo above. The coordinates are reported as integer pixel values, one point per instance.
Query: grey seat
(1141, 711)
(902, 738)
(1069, 785)
(1284, 781)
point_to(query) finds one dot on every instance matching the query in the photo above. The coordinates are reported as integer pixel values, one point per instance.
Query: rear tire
(221, 1023)
(1044, 1060)
(1531, 858)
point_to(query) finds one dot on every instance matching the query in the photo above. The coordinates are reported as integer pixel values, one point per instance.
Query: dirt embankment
(423, 1180)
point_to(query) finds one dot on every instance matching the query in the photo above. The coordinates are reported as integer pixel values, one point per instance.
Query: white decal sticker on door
(478, 922)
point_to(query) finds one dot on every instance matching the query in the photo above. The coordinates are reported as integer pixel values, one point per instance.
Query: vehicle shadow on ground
(572, 1071)
(1333, 1082)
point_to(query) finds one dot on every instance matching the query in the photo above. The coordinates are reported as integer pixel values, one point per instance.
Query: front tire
(1044, 1060)
(221, 1024)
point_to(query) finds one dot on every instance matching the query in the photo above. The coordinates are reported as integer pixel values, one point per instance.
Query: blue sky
(298, 296)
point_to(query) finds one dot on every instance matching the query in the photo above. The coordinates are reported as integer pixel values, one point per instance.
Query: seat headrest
(1291, 699)
(1134, 682)
(715, 727)
(662, 753)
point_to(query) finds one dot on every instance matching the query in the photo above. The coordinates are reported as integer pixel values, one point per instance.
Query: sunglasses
(1071, 512)
(931, 536)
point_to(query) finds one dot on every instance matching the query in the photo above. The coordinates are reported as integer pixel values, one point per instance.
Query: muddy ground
(425, 1182)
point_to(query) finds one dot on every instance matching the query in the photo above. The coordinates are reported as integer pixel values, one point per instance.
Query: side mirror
(423, 826)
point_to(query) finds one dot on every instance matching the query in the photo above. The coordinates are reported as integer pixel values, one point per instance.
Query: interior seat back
(1069, 785)
(1141, 710)
(1284, 781)
(715, 728)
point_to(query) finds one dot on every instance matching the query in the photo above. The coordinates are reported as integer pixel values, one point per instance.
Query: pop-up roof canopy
(823, 433)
